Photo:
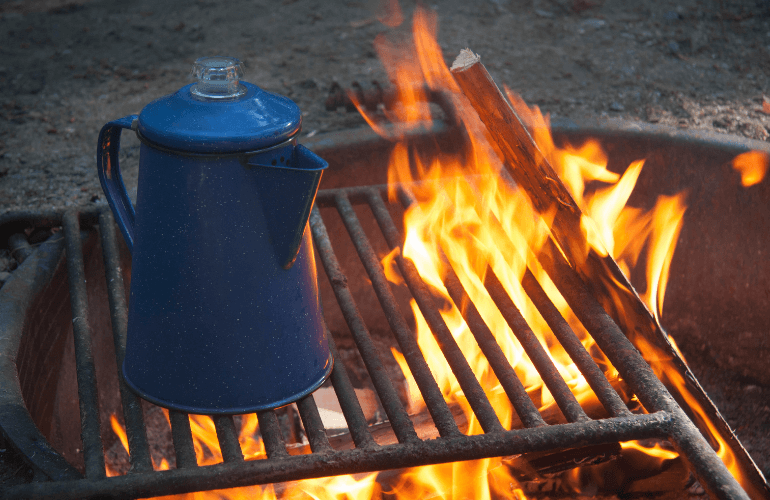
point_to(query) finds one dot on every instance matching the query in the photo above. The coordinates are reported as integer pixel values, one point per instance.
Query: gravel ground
(68, 67)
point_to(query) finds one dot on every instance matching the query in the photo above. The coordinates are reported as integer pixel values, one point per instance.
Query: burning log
(531, 169)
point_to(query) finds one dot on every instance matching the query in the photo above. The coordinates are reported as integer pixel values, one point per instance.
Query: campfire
(468, 224)
(493, 342)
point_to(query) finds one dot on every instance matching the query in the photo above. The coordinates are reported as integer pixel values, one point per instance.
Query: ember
(752, 167)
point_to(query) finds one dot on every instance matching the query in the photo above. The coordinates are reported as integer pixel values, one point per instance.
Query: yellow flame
(338, 488)
(119, 431)
(655, 451)
(667, 223)
(606, 204)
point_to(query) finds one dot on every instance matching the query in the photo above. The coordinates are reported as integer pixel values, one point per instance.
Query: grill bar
(434, 400)
(93, 449)
(228, 438)
(502, 368)
(507, 377)
(540, 359)
(181, 436)
(402, 425)
(275, 446)
(454, 356)
(559, 327)
(346, 395)
(139, 451)
(229, 475)
(314, 427)
(577, 352)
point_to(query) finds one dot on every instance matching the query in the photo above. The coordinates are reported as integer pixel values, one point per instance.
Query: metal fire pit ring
(55, 478)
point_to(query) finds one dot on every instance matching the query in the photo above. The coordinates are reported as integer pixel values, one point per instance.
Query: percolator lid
(219, 113)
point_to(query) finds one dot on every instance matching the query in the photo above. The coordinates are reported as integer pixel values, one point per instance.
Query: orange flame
(752, 166)
(477, 479)
(119, 431)
(654, 451)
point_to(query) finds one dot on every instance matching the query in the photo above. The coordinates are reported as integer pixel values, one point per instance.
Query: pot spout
(287, 191)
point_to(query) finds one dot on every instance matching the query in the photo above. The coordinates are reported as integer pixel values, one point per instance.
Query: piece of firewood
(534, 174)
(525, 162)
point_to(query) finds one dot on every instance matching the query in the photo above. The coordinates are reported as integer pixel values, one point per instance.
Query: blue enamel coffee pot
(224, 314)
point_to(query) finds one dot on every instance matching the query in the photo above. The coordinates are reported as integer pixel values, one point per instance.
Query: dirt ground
(68, 67)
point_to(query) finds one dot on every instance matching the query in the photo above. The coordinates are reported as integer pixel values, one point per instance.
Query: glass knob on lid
(218, 78)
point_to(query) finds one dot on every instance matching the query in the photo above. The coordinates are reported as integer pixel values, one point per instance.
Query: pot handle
(110, 178)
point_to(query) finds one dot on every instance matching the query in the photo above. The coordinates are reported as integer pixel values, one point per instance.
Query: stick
(524, 161)
(535, 175)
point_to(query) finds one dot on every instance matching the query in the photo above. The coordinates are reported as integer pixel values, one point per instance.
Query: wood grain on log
(523, 159)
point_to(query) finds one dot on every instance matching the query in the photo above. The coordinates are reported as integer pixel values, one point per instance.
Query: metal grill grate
(664, 419)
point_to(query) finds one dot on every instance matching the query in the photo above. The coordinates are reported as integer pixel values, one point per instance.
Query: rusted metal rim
(19, 429)
(15, 421)
(623, 128)
(565, 129)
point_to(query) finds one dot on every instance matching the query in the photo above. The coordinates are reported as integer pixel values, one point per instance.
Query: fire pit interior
(712, 300)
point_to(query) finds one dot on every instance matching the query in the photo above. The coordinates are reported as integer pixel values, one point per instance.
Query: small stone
(672, 16)
(594, 23)
(673, 47)
(4, 275)
(616, 106)
(308, 84)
